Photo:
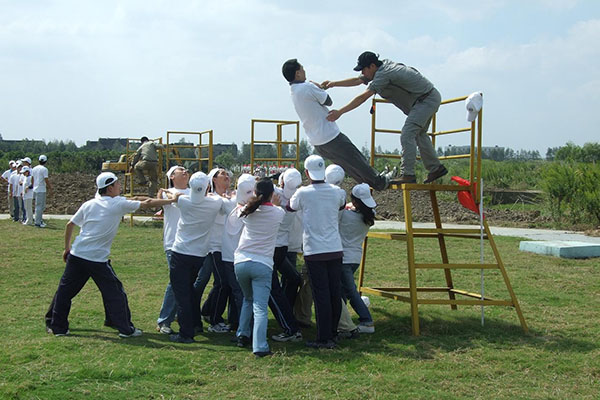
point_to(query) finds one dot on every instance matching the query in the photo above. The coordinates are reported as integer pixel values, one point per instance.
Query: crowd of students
(248, 240)
(25, 185)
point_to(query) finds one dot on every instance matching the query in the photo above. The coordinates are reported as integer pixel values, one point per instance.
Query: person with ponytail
(355, 222)
(253, 262)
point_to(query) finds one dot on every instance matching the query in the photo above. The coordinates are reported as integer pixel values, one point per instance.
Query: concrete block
(563, 249)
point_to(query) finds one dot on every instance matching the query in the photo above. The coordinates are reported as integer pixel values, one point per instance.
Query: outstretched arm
(357, 101)
(343, 83)
(150, 203)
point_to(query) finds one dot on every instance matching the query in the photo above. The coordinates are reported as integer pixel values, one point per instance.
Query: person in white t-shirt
(254, 264)
(320, 203)
(191, 245)
(14, 184)
(41, 188)
(27, 195)
(310, 102)
(6, 176)
(87, 257)
(178, 183)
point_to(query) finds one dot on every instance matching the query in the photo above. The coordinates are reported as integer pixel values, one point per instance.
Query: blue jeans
(255, 281)
(40, 206)
(350, 293)
(168, 309)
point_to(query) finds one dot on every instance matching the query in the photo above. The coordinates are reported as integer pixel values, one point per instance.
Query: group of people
(25, 185)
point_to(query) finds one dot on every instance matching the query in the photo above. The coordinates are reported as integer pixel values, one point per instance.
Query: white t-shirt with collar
(26, 183)
(319, 204)
(39, 173)
(352, 231)
(257, 242)
(6, 175)
(193, 229)
(171, 218)
(308, 101)
(99, 220)
(216, 230)
(15, 181)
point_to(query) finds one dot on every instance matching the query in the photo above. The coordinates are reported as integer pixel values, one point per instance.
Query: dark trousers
(17, 208)
(290, 277)
(235, 296)
(183, 272)
(77, 272)
(325, 282)
(281, 308)
(215, 303)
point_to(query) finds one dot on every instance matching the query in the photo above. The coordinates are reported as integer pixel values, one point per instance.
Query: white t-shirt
(6, 175)
(99, 220)
(295, 242)
(216, 230)
(170, 219)
(232, 234)
(319, 204)
(15, 181)
(26, 183)
(193, 229)
(39, 173)
(283, 236)
(352, 231)
(308, 101)
(257, 242)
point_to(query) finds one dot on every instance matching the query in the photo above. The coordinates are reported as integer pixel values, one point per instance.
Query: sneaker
(49, 330)
(436, 174)
(365, 328)
(164, 329)
(42, 225)
(285, 337)
(403, 179)
(330, 344)
(261, 354)
(243, 341)
(219, 328)
(348, 334)
(136, 332)
(177, 338)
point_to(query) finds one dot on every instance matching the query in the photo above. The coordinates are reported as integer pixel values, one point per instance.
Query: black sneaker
(329, 344)
(261, 354)
(436, 174)
(243, 341)
(177, 338)
(403, 179)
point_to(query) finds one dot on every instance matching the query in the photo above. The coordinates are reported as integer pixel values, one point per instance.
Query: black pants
(281, 309)
(325, 282)
(216, 301)
(77, 272)
(290, 277)
(183, 272)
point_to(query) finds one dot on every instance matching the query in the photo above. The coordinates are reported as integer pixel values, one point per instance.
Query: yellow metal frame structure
(279, 142)
(129, 185)
(410, 294)
(172, 150)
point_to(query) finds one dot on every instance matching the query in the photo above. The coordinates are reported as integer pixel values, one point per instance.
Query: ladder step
(457, 266)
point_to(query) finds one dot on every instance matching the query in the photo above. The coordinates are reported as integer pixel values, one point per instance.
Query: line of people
(25, 185)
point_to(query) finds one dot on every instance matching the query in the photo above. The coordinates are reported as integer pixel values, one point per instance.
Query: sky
(82, 70)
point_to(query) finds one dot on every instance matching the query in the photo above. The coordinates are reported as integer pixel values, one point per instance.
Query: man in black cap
(145, 164)
(411, 92)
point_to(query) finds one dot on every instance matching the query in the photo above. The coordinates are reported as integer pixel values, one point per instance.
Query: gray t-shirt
(399, 83)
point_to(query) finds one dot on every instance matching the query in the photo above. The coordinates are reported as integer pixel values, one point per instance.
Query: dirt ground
(71, 190)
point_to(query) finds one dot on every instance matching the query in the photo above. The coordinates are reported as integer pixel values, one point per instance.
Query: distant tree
(305, 150)
(225, 160)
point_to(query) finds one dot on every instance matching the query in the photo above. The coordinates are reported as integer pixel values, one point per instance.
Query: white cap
(245, 188)
(363, 192)
(292, 179)
(105, 179)
(18, 163)
(198, 185)
(43, 158)
(172, 169)
(27, 160)
(11, 163)
(315, 165)
(334, 174)
(473, 103)
(25, 169)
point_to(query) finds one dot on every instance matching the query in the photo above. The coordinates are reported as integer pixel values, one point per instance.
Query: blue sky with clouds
(80, 70)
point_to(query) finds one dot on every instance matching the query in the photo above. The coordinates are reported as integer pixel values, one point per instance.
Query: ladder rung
(466, 302)
(457, 266)
(446, 230)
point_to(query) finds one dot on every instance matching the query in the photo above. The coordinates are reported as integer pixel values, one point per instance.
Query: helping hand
(333, 115)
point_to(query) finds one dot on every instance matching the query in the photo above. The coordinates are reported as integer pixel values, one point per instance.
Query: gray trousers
(11, 205)
(342, 152)
(40, 206)
(414, 134)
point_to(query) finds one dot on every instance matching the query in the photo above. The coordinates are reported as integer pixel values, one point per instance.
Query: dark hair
(102, 191)
(367, 212)
(289, 69)
(264, 189)
(144, 139)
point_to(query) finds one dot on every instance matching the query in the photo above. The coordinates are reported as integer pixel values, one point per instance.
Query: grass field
(455, 357)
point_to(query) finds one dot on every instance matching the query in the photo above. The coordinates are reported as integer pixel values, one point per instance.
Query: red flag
(465, 197)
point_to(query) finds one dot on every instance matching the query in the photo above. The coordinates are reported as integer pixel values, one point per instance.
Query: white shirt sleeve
(295, 202)
(128, 206)
(319, 94)
(78, 218)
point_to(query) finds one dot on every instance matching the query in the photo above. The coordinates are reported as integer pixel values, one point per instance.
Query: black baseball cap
(365, 59)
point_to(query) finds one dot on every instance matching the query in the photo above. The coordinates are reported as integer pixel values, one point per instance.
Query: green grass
(455, 357)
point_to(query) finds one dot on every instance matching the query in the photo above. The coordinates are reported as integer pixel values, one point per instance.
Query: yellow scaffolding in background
(410, 294)
(279, 142)
(173, 153)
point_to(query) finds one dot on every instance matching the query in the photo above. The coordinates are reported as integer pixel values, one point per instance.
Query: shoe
(330, 344)
(364, 328)
(243, 341)
(261, 354)
(348, 334)
(403, 179)
(136, 333)
(177, 338)
(436, 174)
(43, 225)
(164, 329)
(285, 337)
(49, 330)
(219, 328)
